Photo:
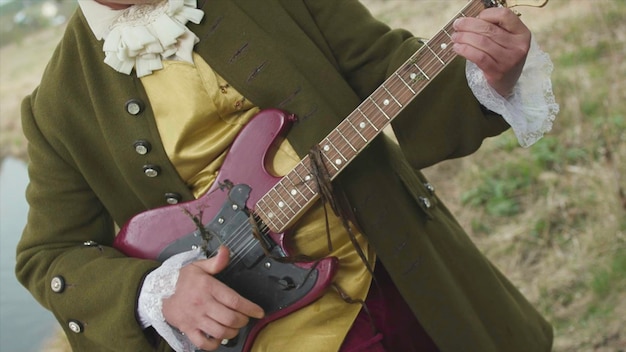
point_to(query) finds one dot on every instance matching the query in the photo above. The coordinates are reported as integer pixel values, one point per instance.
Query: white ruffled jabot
(143, 35)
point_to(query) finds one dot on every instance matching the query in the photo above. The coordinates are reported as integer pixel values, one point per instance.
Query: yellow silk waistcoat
(198, 116)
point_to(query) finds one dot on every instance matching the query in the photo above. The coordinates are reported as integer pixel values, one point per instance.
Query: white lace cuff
(531, 109)
(160, 284)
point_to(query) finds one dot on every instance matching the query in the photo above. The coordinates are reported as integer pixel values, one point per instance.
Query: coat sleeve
(444, 121)
(64, 257)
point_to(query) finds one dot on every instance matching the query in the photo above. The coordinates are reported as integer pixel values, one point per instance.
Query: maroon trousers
(396, 328)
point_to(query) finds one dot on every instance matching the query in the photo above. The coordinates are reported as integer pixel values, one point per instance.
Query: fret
(403, 81)
(270, 217)
(341, 154)
(388, 105)
(307, 177)
(294, 190)
(392, 96)
(357, 131)
(413, 76)
(442, 40)
(379, 108)
(279, 203)
(336, 158)
(362, 124)
(434, 53)
(289, 194)
(347, 141)
(325, 149)
(344, 146)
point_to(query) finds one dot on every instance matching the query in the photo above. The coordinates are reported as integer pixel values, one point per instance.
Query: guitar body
(225, 211)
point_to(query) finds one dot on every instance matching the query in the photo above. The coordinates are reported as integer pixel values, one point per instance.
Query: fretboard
(297, 190)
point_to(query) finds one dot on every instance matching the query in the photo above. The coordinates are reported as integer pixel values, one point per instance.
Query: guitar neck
(296, 191)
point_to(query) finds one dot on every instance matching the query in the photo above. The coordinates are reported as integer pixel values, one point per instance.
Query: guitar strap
(332, 196)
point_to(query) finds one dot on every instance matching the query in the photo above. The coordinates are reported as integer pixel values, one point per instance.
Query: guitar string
(246, 241)
(392, 84)
(241, 242)
(432, 66)
(375, 111)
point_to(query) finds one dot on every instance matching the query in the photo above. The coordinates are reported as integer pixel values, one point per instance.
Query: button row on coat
(142, 147)
(152, 171)
(57, 284)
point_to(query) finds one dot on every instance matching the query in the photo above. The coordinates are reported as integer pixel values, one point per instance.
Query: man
(138, 109)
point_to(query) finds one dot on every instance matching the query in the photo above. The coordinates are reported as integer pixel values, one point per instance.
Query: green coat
(315, 58)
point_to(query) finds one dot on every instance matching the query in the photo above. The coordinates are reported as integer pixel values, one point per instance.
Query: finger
(230, 299)
(216, 330)
(477, 48)
(202, 341)
(498, 24)
(489, 46)
(474, 28)
(226, 295)
(503, 18)
(215, 264)
(228, 317)
(481, 57)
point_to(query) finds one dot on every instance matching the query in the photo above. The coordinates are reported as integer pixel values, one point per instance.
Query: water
(24, 324)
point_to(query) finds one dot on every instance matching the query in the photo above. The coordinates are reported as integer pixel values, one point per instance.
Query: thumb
(216, 263)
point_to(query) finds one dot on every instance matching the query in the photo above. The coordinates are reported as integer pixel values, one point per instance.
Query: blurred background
(552, 217)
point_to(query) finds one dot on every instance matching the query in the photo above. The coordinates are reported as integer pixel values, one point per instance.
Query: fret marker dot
(413, 75)
(326, 148)
(338, 161)
(444, 46)
(281, 204)
(386, 102)
(362, 125)
(294, 192)
(270, 215)
(307, 178)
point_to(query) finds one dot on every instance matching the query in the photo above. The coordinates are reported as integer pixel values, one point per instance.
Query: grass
(553, 216)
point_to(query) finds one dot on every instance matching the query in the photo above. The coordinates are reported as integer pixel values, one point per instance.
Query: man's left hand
(497, 41)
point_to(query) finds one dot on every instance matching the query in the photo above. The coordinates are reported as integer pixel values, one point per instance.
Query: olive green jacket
(315, 58)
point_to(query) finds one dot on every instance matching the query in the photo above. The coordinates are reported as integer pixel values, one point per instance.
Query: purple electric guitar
(250, 211)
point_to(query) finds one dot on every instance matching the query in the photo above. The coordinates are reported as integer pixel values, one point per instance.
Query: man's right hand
(203, 308)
